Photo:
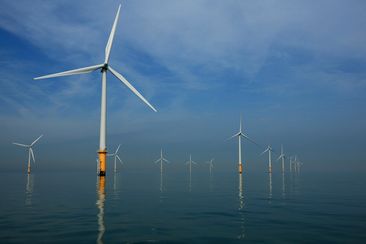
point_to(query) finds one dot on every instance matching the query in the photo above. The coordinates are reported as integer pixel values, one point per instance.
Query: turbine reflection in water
(29, 190)
(270, 187)
(241, 208)
(283, 185)
(100, 205)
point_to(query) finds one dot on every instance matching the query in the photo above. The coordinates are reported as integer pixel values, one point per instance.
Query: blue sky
(296, 71)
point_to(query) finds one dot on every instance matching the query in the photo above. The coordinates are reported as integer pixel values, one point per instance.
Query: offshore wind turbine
(282, 156)
(161, 160)
(290, 164)
(190, 162)
(116, 157)
(269, 150)
(210, 165)
(241, 134)
(295, 163)
(104, 68)
(30, 151)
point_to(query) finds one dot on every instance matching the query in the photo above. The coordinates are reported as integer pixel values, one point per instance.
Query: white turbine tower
(282, 156)
(116, 157)
(210, 165)
(30, 151)
(269, 150)
(241, 134)
(104, 67)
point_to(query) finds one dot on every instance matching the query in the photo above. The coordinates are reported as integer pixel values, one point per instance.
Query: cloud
(191, 59)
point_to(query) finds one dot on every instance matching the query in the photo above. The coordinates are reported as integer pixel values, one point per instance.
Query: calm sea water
(130, 207)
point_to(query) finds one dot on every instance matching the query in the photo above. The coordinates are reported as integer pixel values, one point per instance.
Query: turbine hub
(105, 67)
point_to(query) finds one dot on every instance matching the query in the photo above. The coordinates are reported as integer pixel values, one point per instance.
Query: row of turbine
(294, 163)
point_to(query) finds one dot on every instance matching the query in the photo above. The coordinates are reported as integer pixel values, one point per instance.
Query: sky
(295, 71)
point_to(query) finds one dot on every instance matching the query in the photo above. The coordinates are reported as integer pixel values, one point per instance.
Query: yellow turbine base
(240, 168)
(102, 162)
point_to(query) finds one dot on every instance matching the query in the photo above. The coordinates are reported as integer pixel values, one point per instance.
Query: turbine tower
(241, 134)
(30, 151)
(282, 156)
(116, 157)
(210, 165)
(104, 67)
(269, 150)
(290, 164)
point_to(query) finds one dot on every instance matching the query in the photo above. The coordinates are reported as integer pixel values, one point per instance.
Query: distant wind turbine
(291, 164)
(241, 134)
(297, 164)
(116, 157)
(190, 162)
(104, 67)
(30, 151)
(282, 156)
(161, 160)
(210, 165)
(269, 150)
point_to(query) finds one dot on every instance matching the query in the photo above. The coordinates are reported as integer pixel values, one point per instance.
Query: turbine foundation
(240, 168)
(102, 162)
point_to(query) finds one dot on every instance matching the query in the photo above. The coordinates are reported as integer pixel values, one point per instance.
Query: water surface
(141, 207)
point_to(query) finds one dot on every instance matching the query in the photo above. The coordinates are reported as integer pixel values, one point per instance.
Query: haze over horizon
(295, 70)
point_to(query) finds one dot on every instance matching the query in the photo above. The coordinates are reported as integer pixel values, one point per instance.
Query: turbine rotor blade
(119, 159)
(111, 37)
(72, 72)
(124, 81)
(248, 138)
(22, 145)
(118, 148)
(31, 151)
(237, 134)
(166, 160)
(36, 140)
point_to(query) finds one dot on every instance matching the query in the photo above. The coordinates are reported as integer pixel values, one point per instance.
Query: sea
(152, 207)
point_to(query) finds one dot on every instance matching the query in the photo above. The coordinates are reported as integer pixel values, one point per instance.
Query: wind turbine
(282, 156)
(269, 150)
(298, 164)
(241, 134)
(190, 162)
(290, 164)
(30, 151)
(295, 163)
(104, 67)
(115, 155)
(210, 165)
(161, 160)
